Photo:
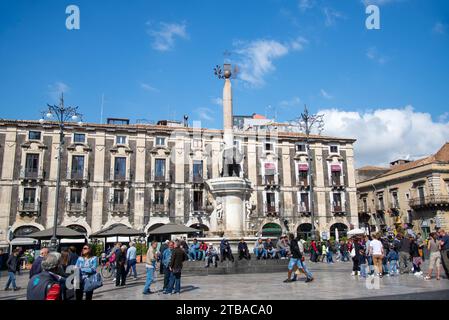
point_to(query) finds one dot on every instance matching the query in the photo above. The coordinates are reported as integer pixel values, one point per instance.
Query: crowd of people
(377, 254)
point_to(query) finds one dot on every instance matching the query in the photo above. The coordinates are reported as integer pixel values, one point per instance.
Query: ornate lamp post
(307, 122)
(60, 114)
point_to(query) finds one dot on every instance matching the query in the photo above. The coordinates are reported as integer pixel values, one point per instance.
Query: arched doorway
(342, 230)
(272, 230)
(25, 231)
(203, 229)
(304, 231)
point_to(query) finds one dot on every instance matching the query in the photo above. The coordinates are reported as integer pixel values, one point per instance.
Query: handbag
(353, 252)
(92, 282)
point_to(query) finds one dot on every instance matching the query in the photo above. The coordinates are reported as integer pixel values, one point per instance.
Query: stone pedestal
(230, 195)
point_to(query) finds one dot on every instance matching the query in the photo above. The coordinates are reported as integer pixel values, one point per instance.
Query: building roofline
(151, 127)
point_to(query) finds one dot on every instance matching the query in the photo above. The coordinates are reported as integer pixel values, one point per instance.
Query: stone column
(227, 114)
(139, 198)
(6, 188)
(98, 189)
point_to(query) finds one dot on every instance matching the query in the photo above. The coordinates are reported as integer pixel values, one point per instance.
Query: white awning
(120, 239)
(72, 241)
(23, 241)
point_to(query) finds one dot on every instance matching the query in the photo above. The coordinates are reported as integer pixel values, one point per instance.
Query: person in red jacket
(313, 251)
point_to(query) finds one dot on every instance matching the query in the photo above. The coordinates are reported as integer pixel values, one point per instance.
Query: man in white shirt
(376, 249)
(131, 255)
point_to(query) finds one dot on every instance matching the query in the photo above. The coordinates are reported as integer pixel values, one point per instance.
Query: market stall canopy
(23, 241)
(356, 232)
(173, 228)
(117, 230)
(61, 232)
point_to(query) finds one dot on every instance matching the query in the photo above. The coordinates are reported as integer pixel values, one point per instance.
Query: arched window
(342, 230)
(304, 231)
(25, 231)
(271, 230)
(77, 227)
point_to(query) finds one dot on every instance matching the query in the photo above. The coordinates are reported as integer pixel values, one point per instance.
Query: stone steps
(238, 266)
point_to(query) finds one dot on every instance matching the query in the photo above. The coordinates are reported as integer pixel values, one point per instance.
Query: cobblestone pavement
(331, 282)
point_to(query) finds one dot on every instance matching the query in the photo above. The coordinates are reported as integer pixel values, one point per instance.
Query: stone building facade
(411, 194)
(147, 175)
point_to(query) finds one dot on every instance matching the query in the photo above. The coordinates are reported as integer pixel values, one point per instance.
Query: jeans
(282, 253)
(150, 273)
(329, 257)
(167, 275)
(393, 267)
(132, 264)
(194, 254)
(363, 270)
(260, 252)
(301, 265)
(272, 253)
(175, 281)
(370, 264)
(404, 258)
(212, 258)
(11, 280)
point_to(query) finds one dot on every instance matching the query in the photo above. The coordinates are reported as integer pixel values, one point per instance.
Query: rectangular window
(79, 138)
(300, 147)
(160, 169)
(197, 200)
(34, 135)
(336, 178)
(197, 143)
(304, 205)
(395, 200)
(121, 140)
(197, 169)
(333, 149)
(120, 168)
(119, 196)
(75, 196)
(31, 165)
(77, 166)
(269, 146)
(336, 197)
(380, 202)
(271, 202)
(159, 196)
(160, 141)
(29, 195)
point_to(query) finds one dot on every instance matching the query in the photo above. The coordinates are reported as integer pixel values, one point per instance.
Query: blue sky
(154, 60)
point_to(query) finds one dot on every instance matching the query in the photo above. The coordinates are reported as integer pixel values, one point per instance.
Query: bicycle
(107, 270)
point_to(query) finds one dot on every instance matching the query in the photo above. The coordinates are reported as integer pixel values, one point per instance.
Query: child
(362, 262)
(393, 258)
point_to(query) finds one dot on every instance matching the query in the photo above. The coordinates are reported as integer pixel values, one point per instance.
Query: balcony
(32, 174)
(271, 211)
(362, 208)
(302, 182)
(29, 208)
(122, 178)
(431, 201)
(78, 177)
(197, 179)
(76, 208)
(120, 208)
(336, 183)
(271, 181)
(304, 210)
(338, 209)
(160, 210)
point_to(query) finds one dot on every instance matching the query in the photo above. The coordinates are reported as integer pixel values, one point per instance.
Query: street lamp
(60, 114)
(308, 122)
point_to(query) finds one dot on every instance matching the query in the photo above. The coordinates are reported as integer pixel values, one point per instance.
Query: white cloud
(305, 4)
(217, 101)
(331, 16)
(256, 57)
(147, 87)
(379, 2)
(384, 135)
(325, 95)
(164, 36)
(205, 114)
(374, 54)
(291, 102)
(439, 28)
(55, 90)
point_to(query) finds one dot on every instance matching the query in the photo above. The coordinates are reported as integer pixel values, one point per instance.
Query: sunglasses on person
(86, 248)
